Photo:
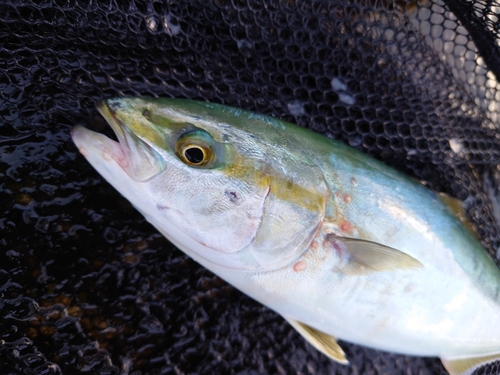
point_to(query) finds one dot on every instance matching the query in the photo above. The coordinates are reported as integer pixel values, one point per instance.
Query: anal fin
(321, 341)
(467, 366)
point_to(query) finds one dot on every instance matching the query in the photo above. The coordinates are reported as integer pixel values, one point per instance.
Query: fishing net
(88, 287)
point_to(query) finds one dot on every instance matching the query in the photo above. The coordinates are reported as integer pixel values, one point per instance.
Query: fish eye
(146, 113)
(195, 152)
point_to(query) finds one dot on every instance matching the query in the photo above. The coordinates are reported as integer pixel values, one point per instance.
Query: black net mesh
(88, 287)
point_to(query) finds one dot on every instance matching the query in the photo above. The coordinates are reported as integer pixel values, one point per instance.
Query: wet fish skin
(311, 228)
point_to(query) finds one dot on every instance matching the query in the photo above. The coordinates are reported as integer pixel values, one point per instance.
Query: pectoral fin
(323, 342)
(467, 366)
(365, 257)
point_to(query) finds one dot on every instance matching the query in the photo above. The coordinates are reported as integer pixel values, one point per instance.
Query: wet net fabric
(88, 287)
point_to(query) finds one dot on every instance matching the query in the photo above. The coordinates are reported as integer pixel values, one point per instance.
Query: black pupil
(194, 155)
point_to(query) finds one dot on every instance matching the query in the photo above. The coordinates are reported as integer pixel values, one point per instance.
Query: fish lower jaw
(90, 143)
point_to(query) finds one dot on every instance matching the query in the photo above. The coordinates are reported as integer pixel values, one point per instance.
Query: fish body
(315, 230)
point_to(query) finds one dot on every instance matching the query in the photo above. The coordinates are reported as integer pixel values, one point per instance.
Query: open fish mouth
(91, 144)
(132, 153)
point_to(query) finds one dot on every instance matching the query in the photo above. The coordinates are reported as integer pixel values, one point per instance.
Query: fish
(339, 244)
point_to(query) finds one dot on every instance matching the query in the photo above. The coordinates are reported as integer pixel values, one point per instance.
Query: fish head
(210, 179)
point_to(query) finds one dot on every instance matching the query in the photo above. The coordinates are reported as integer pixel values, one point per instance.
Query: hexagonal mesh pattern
(88, 287)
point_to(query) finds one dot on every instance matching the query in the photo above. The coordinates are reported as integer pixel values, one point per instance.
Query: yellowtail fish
(339, 244)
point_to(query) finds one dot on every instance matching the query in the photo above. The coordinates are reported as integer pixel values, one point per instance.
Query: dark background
(88, 287)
